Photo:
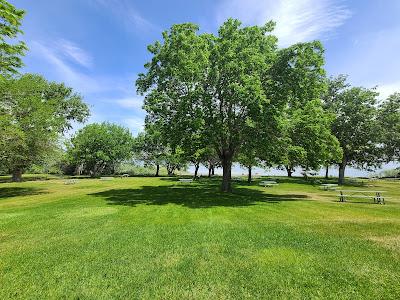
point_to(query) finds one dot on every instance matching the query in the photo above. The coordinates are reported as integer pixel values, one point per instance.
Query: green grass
(151, 238)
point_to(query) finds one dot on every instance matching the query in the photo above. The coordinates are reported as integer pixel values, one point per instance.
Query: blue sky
(99, 46)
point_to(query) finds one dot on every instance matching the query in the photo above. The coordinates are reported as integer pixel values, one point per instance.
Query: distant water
(350, 172)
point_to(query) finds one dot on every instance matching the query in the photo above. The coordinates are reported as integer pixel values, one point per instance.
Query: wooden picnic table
(376, 195)
(236, 178)
(329, 186)
(71, 181)
(185, 180)
(268, 183)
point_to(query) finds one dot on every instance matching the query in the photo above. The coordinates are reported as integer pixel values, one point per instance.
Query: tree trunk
(17, 175)
(327, 172)
(209, 170)
(196, 170)
(226, 160)
(170, 169)
(289, 171)
(157, 170)
(213, 170)
(249, 175)
(342, 168)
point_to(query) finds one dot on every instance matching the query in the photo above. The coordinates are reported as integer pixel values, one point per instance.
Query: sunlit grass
(154, 238)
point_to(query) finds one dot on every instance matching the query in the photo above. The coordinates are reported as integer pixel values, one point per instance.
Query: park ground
(153, 238)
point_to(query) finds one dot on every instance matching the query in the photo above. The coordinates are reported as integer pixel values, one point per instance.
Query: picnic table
(329, 186)
(185, 180)
(376, 195)
(71, 181)
(124, 175)
(268, 183)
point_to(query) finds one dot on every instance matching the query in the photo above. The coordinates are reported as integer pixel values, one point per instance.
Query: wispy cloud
(125, 12)
(75, 53)
(130, 102)
(385, 90)
(59, 67)
(297, 20)
(135, 124)
(62, 70)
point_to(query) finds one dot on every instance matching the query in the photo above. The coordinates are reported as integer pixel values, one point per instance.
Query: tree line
(252, 102)
(212, 100)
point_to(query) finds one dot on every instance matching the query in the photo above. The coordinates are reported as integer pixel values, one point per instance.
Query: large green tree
(33, 115)
(228, 87)
(389, 119)
(10, 52)
(355, 126)
(98, 148)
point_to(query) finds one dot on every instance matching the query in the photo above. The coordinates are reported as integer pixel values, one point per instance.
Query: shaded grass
(151, 238)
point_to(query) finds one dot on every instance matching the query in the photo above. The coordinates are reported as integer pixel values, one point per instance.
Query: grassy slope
(146, 238)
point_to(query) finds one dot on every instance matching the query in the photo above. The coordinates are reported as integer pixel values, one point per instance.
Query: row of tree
(34, 113)
(240, 95)
(211, 100)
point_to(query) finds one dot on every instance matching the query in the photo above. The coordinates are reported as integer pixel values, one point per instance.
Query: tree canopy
(355, 125)
(10, 52)
(97, 148)
(389, 119)
(33, 114)
(227, 88)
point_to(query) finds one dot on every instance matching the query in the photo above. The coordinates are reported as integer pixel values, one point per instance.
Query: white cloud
(297, 20)
(63, 71)
(385, 90)
(125, 12)
(74, 52)
(131, 102)
(135, 124)
(59, 68)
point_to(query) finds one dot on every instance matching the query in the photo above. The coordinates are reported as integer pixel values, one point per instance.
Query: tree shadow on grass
(8, 192)
(191, 196)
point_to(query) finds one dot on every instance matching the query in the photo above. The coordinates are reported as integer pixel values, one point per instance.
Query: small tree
(150, 149)
(389, 119)
(310, 142)
(355, 126)
(33, 115)
(98, 148)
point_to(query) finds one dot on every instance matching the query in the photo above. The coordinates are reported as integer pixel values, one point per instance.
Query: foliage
(52, 162)
(389, 119)
(310, 143)
(10, 53)
(355, 125)
(150, 148)
(33, 114)
(98, 148)
(226, 88)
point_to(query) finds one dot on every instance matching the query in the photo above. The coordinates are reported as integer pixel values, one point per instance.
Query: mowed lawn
(152, 238)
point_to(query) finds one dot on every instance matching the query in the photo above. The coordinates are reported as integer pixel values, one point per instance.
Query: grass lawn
(152, 238)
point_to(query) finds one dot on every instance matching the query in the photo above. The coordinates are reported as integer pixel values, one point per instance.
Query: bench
(375, 195)
(268, 183)
(106, 178)
(71, 181)
(124, 175)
